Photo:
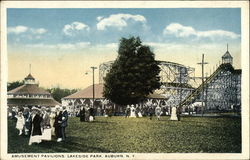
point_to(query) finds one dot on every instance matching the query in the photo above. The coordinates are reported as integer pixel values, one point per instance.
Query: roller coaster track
(194, 94)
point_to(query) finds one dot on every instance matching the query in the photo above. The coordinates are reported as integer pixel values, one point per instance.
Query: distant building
(85, 97)
(30, 94)
(227, 58)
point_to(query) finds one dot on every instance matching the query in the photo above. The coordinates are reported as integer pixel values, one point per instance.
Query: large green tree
(133, 75)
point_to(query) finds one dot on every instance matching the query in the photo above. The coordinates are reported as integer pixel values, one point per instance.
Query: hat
(53, 109)
(48, 109)
(35, 108)
(43, 108)
(57, 107)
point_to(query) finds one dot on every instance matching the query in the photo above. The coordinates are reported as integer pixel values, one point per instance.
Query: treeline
(56, 92)
(13, 85)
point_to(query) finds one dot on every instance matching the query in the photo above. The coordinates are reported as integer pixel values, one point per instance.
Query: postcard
(124, 80)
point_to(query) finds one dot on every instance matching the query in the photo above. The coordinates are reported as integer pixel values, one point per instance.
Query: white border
(137, 4)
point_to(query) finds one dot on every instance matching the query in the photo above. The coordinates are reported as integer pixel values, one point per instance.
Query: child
(20, 122)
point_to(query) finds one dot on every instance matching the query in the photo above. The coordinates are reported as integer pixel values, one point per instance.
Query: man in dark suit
(57, 124)
(64, 123)
(150, 112)
(92, 112)
(127, 112)
(82, 114)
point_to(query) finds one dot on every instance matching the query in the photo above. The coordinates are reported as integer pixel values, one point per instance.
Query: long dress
(87, 114)
(20, 122)
(46, 132)
(57, 125)
(52, 121)
(158, 112)
(82, 115)
(27, 125)
(36, 133)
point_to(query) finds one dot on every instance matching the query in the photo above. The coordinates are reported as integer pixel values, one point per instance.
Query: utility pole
(93, 68)
(180, 90)
(206, 90)
(180, 87)
(202, 78)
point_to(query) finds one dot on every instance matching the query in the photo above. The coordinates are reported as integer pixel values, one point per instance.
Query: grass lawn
(139, 135)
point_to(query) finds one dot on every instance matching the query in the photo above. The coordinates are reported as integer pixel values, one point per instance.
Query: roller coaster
(220, 91)
(176, 80)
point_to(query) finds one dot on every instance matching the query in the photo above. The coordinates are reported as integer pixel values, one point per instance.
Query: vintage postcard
(124, 80)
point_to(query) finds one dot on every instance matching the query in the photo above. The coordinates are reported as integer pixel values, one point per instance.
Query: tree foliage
(133, 75)
(13, 85)
(58, 93)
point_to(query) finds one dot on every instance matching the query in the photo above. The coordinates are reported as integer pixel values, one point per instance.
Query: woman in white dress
(20, 122)
(52, 120)
(36, 132)
(158, 112)
(46, 128)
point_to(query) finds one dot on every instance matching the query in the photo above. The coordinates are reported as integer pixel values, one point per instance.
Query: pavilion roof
(29, 77)
(88, 92)
(156, 96)
(28, 89)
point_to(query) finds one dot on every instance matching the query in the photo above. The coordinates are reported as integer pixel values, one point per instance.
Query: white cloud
(76, 46)
(182, 46)
(38, 31)
(99, 18)
(24, 29)
(119, 21)
(220, 33)
(179, 30)
(70, 29)
(185, 31)
(17, 29)
(63, 46)
(107, 46)
(83, 44)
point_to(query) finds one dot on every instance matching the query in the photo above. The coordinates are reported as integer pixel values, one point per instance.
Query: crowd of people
(40, 124)
(146, 110)
(87, 114)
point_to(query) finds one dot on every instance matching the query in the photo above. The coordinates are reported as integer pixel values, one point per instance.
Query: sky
(62, 44)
